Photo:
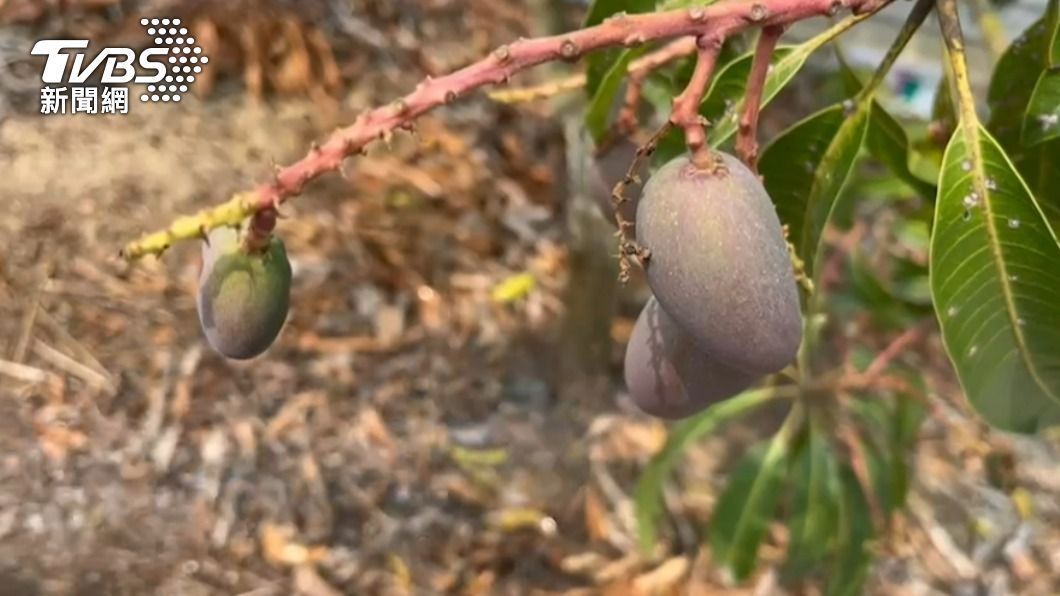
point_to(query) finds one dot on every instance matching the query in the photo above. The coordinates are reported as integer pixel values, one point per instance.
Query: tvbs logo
(167, 69)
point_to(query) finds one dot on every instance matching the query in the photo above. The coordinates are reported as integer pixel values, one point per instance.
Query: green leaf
(855, 531)
(647, 498)
(746, 507)
(675, 4)
(806, 167)
(814, 515)
(600, 63)
(1012, 83)
(996, 285)
(598, 114)
(601, 9)
(730, 82)
(787, 62)
(1040, 167)
(887, 141)
(1042, 120)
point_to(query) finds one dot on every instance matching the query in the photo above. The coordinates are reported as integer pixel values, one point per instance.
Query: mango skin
(719, 263)
(242, 299)
(666, 373)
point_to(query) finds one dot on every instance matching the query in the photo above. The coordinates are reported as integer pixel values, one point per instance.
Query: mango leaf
(601, 9)
(647, 498)
(1009, 94)
(1042, 119)
(730, 82)
(996, 285)
(805, 169)
(675, 4)
(746, 507)
(600, 63)
(887, 141)
(1012, 83)
(851, 567)
(814, 514)
(1040, 167)
(598, 114)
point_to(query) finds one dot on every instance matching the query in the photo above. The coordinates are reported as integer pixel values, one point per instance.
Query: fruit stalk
(747, 137)
(717, 21)
(685, 112)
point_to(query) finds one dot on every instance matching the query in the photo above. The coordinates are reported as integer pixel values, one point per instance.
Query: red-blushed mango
(243, 298)
(668, 376)
(719, 263)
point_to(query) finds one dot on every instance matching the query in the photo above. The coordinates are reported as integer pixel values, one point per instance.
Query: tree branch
(747, 139)
(717, 21)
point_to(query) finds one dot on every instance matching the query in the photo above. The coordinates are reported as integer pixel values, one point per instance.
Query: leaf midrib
(972, 132)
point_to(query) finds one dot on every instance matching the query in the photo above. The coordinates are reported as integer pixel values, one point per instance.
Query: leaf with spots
(996, 285)
(1042, 119)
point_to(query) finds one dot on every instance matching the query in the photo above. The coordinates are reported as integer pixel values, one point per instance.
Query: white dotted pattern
(185, 58)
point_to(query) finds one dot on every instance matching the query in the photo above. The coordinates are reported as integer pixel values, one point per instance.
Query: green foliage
(745, 510)
(996, 286)
(648, 495)
(598, 114)
(827, 145)
(976, 250)
(600, 63)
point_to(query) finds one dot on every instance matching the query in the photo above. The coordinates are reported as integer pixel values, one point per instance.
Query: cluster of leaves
(986, 224)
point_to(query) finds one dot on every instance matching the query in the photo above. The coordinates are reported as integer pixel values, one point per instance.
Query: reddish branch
(747, 138)
(715, 22)
(686, 106)
(639, 70)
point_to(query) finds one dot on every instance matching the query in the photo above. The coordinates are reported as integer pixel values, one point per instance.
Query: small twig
(916, 18)
(541, 91)
(747, 138)
(639, 70)
(896, 348)
(685, 111)
(627, 246)
(22, 372)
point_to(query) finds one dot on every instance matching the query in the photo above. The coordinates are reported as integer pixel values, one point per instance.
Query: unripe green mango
(243, 298)
(719, 264)
(668, 376)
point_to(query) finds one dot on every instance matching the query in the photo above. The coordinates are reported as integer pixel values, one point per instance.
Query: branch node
(697, 14)
(568, 50)
(450, 96)
(758, 12)
(503, 54)
(634, 39)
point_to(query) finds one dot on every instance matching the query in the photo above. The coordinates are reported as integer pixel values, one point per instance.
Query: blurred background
(444, 411)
